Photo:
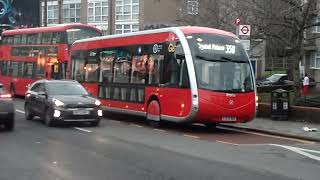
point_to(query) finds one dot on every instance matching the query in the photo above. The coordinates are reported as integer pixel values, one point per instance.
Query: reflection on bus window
(171, 67)
(28, 68)
(14, 69)
(78, 66)
(154, 63)
(21, 69)
(91, 72)
(106, 66)
(39, 70)
(139, 69)
(122, 70)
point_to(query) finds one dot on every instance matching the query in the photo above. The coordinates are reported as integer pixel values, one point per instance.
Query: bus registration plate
(229, 119)
(81, 112)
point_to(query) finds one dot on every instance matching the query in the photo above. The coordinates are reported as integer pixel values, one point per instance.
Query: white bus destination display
(227, 49)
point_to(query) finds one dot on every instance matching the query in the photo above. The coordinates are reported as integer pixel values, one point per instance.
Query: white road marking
(82, 129)
(190, 136)
(19, 111)
(224, 142)
(304, 152)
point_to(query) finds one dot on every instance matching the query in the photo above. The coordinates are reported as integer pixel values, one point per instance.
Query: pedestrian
(305, 85)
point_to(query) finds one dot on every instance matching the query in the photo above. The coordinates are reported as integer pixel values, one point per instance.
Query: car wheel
(95, 123)
(27, 112)
(10, 124)
(48, 119)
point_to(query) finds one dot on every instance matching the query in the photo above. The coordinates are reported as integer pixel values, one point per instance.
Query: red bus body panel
(215, 105)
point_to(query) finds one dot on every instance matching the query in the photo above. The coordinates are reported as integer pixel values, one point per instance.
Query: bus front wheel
(153, 114)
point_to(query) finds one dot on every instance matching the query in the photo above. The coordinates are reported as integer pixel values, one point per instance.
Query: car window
(65, 88)
(1, 88)
(38, 87)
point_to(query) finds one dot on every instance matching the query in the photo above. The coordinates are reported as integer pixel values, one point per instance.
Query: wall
(159, 12)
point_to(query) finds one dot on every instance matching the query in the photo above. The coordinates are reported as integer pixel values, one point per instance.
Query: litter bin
(280, 106)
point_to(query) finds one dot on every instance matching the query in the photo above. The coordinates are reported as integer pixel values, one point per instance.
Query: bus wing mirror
(180, 56)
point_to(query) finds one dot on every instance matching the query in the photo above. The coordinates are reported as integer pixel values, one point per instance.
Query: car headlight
(57, 102)
(97, 103)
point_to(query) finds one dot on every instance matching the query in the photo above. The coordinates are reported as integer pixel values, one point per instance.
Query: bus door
(56, 71)
(175, 83)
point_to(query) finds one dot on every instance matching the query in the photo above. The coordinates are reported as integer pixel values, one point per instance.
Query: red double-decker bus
(35, 53)
(179, 74)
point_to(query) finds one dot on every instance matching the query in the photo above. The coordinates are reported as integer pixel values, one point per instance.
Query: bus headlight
(257, 100)
(97, 103)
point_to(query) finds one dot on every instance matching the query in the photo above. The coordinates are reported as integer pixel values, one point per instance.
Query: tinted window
(85, 67)
(56, 38)
(38, 87)
(10, 40)
(32, 39)
(46, 38)
(28, 70)
(65, 88)
(24, 39)
(17, 39)
(4, 68)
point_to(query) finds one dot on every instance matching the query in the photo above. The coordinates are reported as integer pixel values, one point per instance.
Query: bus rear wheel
(153, 114)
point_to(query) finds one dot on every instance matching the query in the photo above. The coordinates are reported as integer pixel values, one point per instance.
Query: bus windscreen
(221, 63)
(81, 33)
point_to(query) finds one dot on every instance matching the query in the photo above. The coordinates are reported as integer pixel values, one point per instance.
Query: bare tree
(286, 23)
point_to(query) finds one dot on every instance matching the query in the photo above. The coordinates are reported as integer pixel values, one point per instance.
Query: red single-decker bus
(179, 74)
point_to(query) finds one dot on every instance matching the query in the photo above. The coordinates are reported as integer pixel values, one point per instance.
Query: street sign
(244, 30)
(246, 44)
(237, 21)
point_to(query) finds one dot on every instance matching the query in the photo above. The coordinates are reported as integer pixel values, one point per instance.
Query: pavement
(294, 129)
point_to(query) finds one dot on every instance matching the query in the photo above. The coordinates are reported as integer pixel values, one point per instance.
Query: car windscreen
(274, 78)
(65, 88)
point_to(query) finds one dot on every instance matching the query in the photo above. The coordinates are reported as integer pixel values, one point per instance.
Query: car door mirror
(42, 93)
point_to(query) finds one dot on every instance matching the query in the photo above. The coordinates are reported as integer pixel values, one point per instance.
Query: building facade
(113, 16)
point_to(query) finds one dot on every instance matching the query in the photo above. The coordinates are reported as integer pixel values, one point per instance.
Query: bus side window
(56, 38)
(10, 40)
(106, 66)
(4, 68)
(17, 39)
(24, 39)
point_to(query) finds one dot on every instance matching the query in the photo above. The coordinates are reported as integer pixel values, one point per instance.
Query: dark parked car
(61, 101)
(275, 79)
(281, 79)
(6, 109)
